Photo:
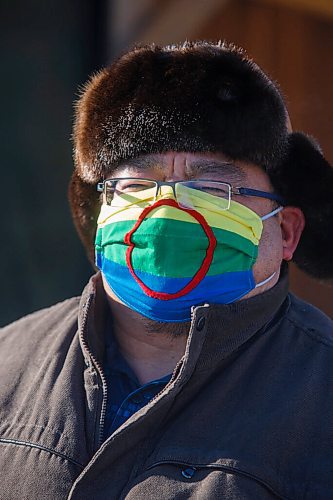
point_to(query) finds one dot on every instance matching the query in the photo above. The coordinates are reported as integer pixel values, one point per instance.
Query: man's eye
(215, 191)
(126, 187)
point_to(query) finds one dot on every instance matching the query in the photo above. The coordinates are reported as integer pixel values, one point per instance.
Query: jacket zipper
(102, 376)
(173, 377)
(99, 369)
(232, 470)
(175, 371)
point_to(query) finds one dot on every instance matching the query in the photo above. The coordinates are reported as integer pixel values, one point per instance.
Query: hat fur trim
(193, 97)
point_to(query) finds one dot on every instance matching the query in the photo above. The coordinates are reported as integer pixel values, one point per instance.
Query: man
(185, 370)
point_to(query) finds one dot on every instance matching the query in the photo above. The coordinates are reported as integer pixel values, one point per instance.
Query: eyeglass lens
(189, 194)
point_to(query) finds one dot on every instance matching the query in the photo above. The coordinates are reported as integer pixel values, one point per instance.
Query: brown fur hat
(198, 97)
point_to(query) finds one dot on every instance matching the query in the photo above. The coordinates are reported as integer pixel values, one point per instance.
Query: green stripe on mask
(163, 238)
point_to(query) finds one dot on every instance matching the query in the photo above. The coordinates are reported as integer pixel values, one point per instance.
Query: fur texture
(198, 97)
(305, 180)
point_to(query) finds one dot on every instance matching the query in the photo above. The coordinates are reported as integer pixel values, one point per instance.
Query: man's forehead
(192, 164)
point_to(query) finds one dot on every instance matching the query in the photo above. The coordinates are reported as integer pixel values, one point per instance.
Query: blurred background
(49, 48)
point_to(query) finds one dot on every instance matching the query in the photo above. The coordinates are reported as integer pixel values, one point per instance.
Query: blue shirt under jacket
(125, 393)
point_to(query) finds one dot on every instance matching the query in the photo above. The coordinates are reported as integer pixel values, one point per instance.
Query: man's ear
(292, 225)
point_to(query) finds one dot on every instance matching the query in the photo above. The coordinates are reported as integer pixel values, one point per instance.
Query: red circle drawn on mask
(202, 271)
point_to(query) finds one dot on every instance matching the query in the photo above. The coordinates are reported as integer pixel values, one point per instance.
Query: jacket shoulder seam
(311, 333)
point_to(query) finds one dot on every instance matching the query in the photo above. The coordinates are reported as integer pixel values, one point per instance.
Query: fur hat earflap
(85, 205)
(198, 97)
(305, 180)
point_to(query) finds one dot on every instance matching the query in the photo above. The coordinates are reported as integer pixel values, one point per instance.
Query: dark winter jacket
(248, 413)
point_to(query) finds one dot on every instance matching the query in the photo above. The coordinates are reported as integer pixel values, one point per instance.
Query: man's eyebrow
(138, 163)
(210, 166)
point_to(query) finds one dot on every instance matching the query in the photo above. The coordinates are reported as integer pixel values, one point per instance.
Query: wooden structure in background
(318, 7)
(291, 39)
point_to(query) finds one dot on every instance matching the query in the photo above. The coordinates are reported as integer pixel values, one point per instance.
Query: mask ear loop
(270, 214)
(266, 280)
(267, 216)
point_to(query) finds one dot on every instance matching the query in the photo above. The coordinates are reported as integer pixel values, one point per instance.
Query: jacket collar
(226, 328)
(216, 330)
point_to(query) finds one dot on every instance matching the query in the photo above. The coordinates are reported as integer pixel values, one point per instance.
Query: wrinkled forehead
(174, 165)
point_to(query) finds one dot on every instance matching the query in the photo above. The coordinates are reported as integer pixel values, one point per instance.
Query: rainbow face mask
(160, 259)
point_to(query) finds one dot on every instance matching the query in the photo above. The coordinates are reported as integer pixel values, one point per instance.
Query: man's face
(173, 166)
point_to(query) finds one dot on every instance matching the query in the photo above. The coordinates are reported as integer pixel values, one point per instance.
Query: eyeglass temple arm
(260, 194)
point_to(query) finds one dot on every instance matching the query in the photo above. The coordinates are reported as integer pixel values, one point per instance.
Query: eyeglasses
(118, 191)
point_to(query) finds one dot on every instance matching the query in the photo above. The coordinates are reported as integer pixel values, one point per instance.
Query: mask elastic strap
(276, 211)
(267, 216)
(266, 280)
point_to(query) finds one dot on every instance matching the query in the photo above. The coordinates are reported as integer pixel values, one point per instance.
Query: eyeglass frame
(233, 190)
